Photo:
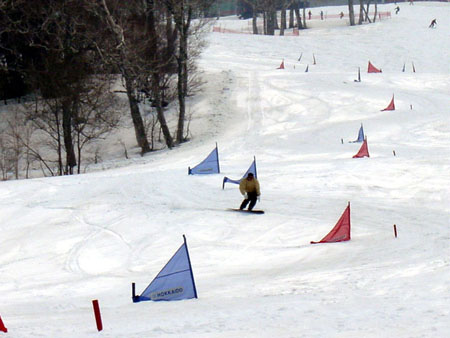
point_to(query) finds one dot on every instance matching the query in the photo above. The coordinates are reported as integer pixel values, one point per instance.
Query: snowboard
(249, 211)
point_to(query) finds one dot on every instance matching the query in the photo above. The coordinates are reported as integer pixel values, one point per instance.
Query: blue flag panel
(360, 135)
(210, 165)
(175, 281)
(252, 170)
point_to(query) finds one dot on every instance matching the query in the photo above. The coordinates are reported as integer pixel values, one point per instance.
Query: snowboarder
(249, 188)
(397, 9)
(432, 24)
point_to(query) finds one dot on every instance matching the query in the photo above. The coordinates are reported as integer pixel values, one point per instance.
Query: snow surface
(68, 240)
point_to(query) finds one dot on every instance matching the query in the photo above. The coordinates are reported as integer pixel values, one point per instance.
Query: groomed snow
(68, 240)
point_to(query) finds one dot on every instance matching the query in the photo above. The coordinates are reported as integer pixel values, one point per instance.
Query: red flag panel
(341, 231)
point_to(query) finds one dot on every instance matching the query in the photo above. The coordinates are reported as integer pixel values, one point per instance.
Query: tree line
(297, 13)
(268, 9)
(61, 59)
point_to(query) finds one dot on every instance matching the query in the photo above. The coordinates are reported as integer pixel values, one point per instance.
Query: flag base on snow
(341, 231)
(210, 165)
(363, 151)
(281, 65)
(372, 69)
(174, 282)
(251, 169)
(391, 105)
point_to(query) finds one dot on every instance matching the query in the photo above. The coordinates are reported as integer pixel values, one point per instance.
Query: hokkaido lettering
(205, 170)
(166, 293)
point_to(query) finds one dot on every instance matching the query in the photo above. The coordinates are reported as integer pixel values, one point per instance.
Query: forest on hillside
(61, 60)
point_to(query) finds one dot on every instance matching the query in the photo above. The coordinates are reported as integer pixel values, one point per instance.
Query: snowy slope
(68, 240)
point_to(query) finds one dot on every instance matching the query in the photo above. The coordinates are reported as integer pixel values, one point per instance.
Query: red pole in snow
(98, 317)
(2, 326)
(395, 231)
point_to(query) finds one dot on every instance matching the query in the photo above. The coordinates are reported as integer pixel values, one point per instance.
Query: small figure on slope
(397, 9)
(249, 188)
(432, 24)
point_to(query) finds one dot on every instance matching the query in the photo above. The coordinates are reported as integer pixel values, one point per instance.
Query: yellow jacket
(249, 186)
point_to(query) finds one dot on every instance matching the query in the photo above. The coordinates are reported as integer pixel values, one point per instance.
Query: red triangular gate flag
(363, 151)
(391, 105)
(282, 65)
(2, 326)
(341, 231)
(372, 69)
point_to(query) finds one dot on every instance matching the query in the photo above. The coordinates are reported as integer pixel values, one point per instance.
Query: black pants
(251, 197)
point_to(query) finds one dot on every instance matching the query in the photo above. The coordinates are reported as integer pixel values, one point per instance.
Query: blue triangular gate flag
(252, 170)
(210, 165)
(360, 135)
(174, 282)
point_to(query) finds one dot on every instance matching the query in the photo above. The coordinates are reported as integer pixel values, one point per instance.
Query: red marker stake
(98, 317)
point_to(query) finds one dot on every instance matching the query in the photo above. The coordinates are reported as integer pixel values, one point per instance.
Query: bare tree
(283, 25)
(255, 6)
(183, 13)
(45, 115)
(270, 16)
(291, 17)
(97, 114)
(351, 13)
(27, 142)
(298, 17)
(158, 77)
(15, 126)
(376, 11)
(285, 4)
(126, 59)
(361, 12)
(7, 162)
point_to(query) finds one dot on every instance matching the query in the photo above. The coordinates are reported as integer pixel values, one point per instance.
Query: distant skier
(309, 15)
(397, 9)
(433, 24)
(321, 15)
(341, 15)
(249, 188)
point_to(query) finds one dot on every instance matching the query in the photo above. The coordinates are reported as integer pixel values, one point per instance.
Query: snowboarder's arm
(242, 187)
